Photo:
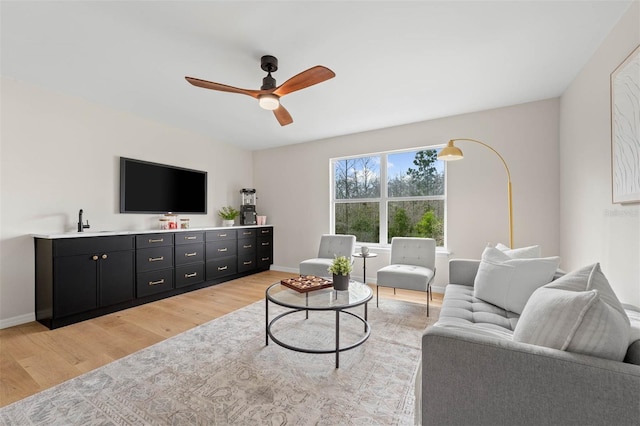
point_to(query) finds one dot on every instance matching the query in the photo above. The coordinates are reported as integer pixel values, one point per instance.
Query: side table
(364, 258)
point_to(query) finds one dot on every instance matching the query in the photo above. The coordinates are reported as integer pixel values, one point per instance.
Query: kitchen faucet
(82, 227)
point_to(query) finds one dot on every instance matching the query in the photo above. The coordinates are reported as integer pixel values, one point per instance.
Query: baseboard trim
(285, 269)
(20, 319)
(437, 289)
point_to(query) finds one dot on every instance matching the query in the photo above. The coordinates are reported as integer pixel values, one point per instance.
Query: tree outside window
(403, 191)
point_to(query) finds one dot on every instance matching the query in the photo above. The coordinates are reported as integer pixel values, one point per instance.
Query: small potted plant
(228, 215)
(341, 268)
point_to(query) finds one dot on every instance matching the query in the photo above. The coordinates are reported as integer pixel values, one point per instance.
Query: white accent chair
(331, 246)
(412, 266)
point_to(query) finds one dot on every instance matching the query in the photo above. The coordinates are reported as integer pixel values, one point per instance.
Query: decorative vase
(228, 222)
(341, 282)
(364, 250)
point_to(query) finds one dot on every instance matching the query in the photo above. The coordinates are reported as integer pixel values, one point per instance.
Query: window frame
(384, 199)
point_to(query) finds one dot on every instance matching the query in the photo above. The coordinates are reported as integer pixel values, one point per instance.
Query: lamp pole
(506, 168)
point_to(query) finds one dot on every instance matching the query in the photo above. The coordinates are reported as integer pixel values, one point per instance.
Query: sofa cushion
(578, 312)
(461, 308)
(508, 283)
(410, 277)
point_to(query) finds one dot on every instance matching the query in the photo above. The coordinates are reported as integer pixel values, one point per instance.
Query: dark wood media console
(83, 277)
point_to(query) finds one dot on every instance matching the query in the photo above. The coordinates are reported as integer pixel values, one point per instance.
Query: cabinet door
(76, 282)
(116, 277)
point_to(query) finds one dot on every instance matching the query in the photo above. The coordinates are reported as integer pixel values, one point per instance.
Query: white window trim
(384, 199)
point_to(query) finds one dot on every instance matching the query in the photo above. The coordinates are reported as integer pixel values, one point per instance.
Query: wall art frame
(625, 130)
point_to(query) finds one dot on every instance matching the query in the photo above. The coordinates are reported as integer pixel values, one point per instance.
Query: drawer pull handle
(156, 282)
(223, 249)
(222, 235)
(222, 268)
(156, 241)
(247, 246)
(191, 254)
(193, 237)
(104, 256)
(248, 262)
(264, 258)
(94, 257)
(264, 231)
(195, 274)
(246, 233)
(156, 259)
(265, 244)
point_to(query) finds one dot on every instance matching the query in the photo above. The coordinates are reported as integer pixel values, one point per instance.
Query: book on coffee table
(306, 283)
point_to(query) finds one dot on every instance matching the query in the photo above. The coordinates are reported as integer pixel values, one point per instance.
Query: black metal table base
(337, 350)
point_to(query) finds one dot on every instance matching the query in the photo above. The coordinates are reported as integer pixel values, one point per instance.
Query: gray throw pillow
(508, 283)
(578, 312)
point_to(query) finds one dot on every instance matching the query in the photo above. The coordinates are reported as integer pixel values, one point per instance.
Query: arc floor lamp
(452, 153)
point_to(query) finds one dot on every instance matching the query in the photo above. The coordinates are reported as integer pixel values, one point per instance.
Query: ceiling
(395, 62)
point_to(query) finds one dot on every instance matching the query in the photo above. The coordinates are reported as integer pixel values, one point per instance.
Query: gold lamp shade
(450, 153)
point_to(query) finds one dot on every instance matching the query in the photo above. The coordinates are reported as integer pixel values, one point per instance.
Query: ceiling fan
(269, 95)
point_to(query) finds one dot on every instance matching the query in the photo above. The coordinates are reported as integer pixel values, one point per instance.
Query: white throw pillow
(578, 312)
(530, 252)
(508, 283)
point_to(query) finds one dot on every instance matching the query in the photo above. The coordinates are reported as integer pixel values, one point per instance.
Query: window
(394, 194)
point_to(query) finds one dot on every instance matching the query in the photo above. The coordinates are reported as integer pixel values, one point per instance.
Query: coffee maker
(248, 207)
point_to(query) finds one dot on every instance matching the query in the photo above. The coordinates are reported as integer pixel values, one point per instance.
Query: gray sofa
(473, 373)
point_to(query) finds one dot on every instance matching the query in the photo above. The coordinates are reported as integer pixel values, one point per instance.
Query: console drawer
(264, 232)
(219, 249)
(264, 260)
(246, 233)
(247, 262)
(189, 237)
(189, 253)
(246, 246)
(221, 267)
(189, 274)
(152, 259)
(154, 282)
(265, 243)
(220, 234)
(154, 240)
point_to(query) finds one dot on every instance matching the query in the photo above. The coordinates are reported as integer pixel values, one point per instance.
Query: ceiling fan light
(450, 153)
(269, 102)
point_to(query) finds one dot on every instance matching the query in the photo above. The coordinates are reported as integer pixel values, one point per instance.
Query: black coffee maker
(248, 207)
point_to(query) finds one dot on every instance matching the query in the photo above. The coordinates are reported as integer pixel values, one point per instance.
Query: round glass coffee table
(326, 299)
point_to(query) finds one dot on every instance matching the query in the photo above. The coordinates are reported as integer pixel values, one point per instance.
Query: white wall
(593, 228)
(60, 154)
(293, 183)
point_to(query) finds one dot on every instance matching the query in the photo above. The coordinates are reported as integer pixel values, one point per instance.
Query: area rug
(222, 373)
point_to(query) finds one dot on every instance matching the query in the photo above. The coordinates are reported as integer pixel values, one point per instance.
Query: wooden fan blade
(307, 78)
(223, 87)
(282, 115)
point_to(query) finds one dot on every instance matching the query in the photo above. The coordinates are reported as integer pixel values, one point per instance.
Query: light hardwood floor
(34, 358)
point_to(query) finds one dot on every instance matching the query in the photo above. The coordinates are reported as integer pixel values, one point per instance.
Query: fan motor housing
(269, 63)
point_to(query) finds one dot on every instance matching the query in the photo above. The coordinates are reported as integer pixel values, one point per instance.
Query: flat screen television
(147, 187)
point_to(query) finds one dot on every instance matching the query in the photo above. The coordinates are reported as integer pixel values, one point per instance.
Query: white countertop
(145, 231)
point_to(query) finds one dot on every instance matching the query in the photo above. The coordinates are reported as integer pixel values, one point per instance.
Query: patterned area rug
(222, 373)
